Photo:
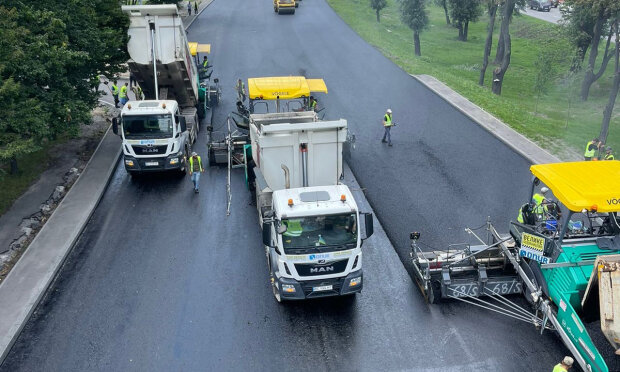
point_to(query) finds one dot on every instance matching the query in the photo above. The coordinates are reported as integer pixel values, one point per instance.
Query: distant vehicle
(541, 5)
(284, 6)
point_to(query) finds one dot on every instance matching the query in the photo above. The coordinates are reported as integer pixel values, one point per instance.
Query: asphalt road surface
(162, 280)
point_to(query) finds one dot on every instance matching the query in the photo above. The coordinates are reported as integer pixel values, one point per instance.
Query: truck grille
(153, 150)
(308, 287)
(333, 267)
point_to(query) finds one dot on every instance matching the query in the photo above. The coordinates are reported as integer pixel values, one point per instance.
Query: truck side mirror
(368, 222)
(183, 123)
(267, 234)
(115, 126)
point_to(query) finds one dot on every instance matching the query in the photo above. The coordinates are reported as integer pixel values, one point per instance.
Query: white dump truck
(158, 132)
(310, 220)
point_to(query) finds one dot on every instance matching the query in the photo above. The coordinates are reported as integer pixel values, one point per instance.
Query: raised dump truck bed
(161, 27)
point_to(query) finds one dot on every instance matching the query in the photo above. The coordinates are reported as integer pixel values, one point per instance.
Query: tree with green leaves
(578, 24)
(504, 34)
(51, 51)
(492, 6)
(613, 93)
(413, 14)
(463, 12)
(604, 13)
(444, 5)
(378, 5)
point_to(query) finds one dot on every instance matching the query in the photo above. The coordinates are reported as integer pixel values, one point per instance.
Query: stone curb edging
(27, 283)
(516, 141)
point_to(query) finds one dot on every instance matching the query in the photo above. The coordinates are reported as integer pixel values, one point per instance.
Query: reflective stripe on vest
(589, 153)
(199, 164)
(205, 63)
(388, 120)
(123, 91)
(609, 157)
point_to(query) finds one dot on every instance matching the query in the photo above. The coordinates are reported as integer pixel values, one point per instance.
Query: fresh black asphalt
(162, 280)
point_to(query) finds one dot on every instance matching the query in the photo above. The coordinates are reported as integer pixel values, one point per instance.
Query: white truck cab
(155, 136)
(313, 242)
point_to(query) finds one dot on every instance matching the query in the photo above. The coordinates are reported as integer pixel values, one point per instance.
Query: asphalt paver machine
(564, 258)
(283, 99)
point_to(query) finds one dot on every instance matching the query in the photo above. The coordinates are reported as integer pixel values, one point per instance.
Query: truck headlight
(174, 161)
(288, 288)
(354, 282)
(129, 163)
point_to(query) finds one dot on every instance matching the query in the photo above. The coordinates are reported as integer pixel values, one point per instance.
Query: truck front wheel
(276, 291)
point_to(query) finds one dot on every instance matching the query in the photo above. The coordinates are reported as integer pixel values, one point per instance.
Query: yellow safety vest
(559, 368)
(589, 153)
(388, 120)
(191, 164)
(123, 91)
(114, 90)
(609, 157)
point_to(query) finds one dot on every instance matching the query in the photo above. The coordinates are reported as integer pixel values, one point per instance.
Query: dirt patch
(67, 160)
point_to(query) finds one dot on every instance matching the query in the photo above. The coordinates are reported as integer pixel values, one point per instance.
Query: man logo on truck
(324, 269)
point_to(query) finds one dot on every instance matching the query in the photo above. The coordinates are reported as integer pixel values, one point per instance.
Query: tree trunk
(465, 31)
(488, 43)
(13, 163)
(416, 42)
(499, 54)
(609, 108)
(377, 10)
(459, 25)
(500, 71)
(445, 10)
(590, 76)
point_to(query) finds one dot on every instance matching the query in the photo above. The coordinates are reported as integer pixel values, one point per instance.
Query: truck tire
(201, 110)
(212, 162)
(276, 293)
(214, 97)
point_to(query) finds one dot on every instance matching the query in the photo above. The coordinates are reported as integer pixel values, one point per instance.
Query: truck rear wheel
(212, 162)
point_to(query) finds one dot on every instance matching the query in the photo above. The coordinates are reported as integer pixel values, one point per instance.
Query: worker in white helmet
(564, 365)
(387, 125)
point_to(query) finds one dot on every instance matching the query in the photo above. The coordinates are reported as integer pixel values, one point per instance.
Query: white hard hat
(568, 361)
(194, 153)
(389, 111)
(544, 189)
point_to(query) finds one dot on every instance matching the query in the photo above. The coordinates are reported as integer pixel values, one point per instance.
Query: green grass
(29, 168)
(552, 124)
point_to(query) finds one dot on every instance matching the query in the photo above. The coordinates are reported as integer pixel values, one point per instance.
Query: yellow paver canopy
(284, 87)
(194, 48)
(582, 185)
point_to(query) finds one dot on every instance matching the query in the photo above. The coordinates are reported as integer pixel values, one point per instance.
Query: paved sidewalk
(26, 284)
(188, 20)
(503, 132)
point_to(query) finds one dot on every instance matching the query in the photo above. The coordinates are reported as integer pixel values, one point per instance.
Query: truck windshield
(148, 126)
(320, 233)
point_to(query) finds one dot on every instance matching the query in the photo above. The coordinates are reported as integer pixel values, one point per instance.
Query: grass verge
(29, 169)
(556, 120)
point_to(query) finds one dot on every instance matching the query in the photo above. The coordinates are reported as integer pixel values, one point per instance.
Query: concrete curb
(29, 279)
(516, 141)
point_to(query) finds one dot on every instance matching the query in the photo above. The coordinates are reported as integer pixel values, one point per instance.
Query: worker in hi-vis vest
(195, 168)
(387, 125)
